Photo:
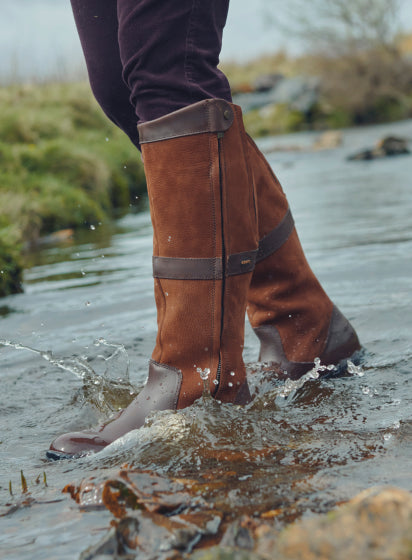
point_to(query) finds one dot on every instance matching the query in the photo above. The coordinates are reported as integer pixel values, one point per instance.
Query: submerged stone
(388, 146)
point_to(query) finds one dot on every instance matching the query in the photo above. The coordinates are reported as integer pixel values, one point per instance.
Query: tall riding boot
(205, 244)
(288, 309)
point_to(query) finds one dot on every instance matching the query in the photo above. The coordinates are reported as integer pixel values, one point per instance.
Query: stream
(74, 348)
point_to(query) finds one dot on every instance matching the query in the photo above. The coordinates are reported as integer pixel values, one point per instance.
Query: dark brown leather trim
(342, 340)
(272, 352)
(341, 344)
(243, 396)
(241, 263)
(276, 238)
(163, 385)
(210, 115)
(174, 268)
(187, 269)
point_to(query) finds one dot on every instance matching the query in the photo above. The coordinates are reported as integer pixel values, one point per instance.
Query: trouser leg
(170, 51)
(147, 58)
(97, 25)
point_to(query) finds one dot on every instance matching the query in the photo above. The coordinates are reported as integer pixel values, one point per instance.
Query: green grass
(62, 165)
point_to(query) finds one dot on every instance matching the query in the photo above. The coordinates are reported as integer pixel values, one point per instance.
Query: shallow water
(80, 336)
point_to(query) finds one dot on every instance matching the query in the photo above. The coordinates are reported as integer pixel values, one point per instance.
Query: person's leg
(205, 244)
(167, 52)
(97, 25)
(203, 212)
(170, 52)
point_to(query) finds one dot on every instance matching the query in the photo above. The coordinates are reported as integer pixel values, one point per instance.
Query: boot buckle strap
(276, 238)
(174, 268)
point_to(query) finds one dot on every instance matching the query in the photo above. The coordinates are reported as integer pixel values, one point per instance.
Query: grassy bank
(62, 165)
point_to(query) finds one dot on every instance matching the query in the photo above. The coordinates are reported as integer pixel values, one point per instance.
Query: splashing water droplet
(232, 373)
(230, 384)
(92, 227)
(356, 370)
(204, 373)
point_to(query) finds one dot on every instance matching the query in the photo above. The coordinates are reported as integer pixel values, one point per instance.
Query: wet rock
(113, 545)
(134, 489)
(299, 93)
(266, 82)
(148, 491)
(152, 536)
(329, 140)
(392, 146)
(60, 236)
(388, 146)
(225, 553)
(157, 518)
(376, 524)
(238, 536)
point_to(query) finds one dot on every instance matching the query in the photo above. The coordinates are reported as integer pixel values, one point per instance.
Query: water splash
(107, 391)
(355, 370)
(204, 376)
(117, 364)
(77, 366)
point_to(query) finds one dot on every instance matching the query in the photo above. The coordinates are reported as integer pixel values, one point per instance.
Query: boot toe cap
(76, 444)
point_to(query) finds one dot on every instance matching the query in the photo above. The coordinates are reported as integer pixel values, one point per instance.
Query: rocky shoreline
(165, 519)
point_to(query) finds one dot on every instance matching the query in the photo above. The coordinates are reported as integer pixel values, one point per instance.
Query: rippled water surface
(76, 346)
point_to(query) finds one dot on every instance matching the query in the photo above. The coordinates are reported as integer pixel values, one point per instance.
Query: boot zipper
(219, 367)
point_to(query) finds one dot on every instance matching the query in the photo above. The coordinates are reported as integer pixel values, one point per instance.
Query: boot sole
(58, 455)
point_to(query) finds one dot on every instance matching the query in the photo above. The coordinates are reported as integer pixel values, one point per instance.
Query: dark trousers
(147, 58)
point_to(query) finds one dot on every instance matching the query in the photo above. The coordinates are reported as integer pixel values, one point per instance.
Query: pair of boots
(224, 242)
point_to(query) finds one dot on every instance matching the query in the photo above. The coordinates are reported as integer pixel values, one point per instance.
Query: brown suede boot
(288, 309)
(205, 244)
